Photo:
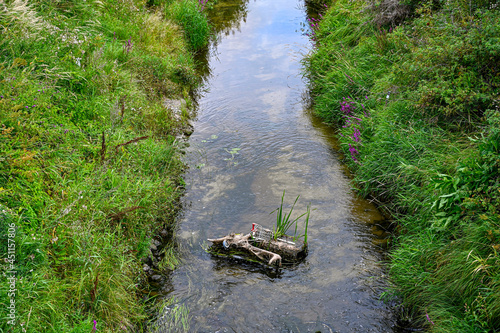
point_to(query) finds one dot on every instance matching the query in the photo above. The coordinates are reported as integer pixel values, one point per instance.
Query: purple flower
(128, 46)
(356, 135)
(353, 152)
(429, 319)
(66, 131)
(95, 326)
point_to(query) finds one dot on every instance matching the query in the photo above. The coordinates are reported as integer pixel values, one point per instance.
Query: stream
(254, 137)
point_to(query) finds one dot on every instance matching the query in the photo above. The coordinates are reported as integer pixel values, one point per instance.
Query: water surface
(254, 138)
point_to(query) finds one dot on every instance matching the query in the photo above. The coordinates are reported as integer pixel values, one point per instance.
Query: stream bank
(90, 167)
(413, 88)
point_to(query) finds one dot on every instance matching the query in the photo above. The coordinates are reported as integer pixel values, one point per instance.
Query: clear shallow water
(253, 105)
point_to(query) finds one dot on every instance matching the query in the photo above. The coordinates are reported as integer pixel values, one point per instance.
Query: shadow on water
(254, 137)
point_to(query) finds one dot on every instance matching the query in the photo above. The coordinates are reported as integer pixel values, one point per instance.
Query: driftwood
(242, 241)
(259, 244)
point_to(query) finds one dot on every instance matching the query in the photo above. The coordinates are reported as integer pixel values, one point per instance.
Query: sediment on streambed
(94, 97)
(413, 88)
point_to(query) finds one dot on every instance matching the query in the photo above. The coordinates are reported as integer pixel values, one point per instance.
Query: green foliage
(451, 70)
(284, 222)
(89, 166)
(418, 106)
(190, 16)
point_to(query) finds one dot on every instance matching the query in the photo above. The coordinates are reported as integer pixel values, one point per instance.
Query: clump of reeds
(284, 221)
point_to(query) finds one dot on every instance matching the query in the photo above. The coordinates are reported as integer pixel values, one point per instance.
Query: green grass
(89, 166)
(284, 221)
(417, 110)
(191, 17)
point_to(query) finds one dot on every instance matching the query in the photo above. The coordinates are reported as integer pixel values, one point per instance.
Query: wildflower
(353, 152)
(128, 46)
(356, 135)
(95, 326)
(429, 319)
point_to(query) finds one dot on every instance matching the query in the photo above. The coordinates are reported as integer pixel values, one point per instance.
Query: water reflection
(254, 103)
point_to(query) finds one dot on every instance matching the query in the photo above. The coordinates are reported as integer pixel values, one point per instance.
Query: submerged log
(270, 250)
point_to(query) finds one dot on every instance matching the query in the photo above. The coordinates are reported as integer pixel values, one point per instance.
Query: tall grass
(417, 109)
(190, 16)
(89, 166)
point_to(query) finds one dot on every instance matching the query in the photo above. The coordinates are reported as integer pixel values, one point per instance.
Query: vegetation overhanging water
(413, 85)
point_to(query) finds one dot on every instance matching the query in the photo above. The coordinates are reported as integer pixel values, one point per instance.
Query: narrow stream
(254, 138)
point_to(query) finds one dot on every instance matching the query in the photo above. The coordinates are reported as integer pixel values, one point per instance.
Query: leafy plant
(233, 152)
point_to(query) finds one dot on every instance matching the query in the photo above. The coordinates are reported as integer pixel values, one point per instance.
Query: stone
(156, 277)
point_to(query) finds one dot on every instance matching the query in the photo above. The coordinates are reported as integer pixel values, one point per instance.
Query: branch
(131, 141)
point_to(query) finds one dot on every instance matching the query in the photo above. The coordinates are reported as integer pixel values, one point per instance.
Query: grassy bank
(414, 89)
(89, 163)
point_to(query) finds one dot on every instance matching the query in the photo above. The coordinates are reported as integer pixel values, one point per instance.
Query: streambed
(254, 137)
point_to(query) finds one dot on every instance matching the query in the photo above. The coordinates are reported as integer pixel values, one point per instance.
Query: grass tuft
(284, 222)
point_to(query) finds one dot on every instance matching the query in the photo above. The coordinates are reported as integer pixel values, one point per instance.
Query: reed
(284, 221)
